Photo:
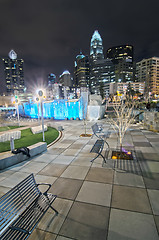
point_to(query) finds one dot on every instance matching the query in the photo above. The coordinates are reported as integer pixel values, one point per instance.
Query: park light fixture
(40, 95)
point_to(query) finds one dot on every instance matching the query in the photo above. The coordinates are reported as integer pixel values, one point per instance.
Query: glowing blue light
(58, 109)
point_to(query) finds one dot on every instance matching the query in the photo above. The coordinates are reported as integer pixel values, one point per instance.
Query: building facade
(14, 73)
(101, 69)
(123, 60)
(147, 70)
(81, 71)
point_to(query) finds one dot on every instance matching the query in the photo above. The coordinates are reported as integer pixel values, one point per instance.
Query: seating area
(22, 208)
(95, 200)
(98, 148)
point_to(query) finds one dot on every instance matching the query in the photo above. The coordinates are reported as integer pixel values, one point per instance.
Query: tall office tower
(51, 82)
(51, 79)
(122, 58)
(14, 73)
(102, 73)
(65, 79)
(101, 70)
(147, 70)
(96, 47)
(81, 71)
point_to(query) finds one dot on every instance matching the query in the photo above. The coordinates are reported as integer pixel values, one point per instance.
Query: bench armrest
(49, 186)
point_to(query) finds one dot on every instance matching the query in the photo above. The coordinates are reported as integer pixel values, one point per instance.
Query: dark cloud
(48, 34)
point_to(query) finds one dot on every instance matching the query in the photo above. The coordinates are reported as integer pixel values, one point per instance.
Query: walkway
(96, 201)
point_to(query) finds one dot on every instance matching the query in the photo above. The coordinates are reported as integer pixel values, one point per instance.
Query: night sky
(48, 34)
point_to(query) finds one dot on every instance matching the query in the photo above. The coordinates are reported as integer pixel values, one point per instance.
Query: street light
(40, 93)
(16, 101)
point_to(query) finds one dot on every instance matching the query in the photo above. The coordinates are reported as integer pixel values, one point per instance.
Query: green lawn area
(28, 139)
(2, 129)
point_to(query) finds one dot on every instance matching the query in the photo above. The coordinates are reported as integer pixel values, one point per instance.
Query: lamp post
(40, 93)
(37, 99)
(16, 104)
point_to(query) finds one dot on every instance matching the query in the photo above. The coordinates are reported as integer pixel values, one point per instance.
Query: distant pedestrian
(148, 106)
(157, 107)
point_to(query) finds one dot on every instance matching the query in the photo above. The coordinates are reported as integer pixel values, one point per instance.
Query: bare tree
(123, 119)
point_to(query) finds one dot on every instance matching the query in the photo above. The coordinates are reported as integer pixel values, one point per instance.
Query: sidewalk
(95, 201)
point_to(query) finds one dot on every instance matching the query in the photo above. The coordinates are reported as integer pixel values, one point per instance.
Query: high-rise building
(147, 70)
(101, 70)
(81, 71)
(65, 79)
(96, 47)
(122, 58)
(51, 82)
(14, 73)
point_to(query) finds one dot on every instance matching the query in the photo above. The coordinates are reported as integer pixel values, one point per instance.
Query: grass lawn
(28, 139)
(2, 129)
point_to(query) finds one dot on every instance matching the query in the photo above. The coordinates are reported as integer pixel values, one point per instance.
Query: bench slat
(22, 208)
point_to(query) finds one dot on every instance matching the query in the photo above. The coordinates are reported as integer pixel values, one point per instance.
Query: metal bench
(22, 208)
(98, 148)
(97, 131)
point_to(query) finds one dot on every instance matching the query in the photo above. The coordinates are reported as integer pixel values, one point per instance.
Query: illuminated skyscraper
(122, 58)
(101, 70)
(96, 47)
(81, 71)
(14, 74)
(147, 70)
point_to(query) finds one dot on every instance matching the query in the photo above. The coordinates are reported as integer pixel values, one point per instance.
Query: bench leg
(54, 210)
(98, 156)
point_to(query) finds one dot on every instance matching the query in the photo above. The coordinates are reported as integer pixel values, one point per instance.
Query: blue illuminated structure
(58, 109)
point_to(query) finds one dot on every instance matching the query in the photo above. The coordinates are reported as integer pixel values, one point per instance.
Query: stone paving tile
(146, 149)
(139, 139)
(67, 141)
(148, 156)
(95, 193)
(130, 198)
(142, 144)
(76, 172)
(86, 222)
(63, 238)
(5, 174)
(149, 166)
(14, 179)
(130, 166)
(61, 159)
(153, 139)
(55, 151)
(126, 225)
(42, 235)
(100, 175)
(128, 179)
(81, 161)
(18, 166)
(47, 157)
(70, 152)
(155, 145)
(33, 167)
(53, 169)
(76, 146)
(51, 222)
(157, 222)
(154, 200)
(66, 188)
(45, 179)
(3, 190)
(151, 180)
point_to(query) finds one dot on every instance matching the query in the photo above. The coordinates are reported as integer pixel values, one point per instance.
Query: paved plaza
(117, 200)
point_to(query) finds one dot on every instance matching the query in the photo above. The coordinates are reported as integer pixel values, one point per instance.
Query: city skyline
(49, 35)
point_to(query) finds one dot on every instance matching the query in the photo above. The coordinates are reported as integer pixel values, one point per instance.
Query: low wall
(9, 159)
(8, 135)
(151, 120)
